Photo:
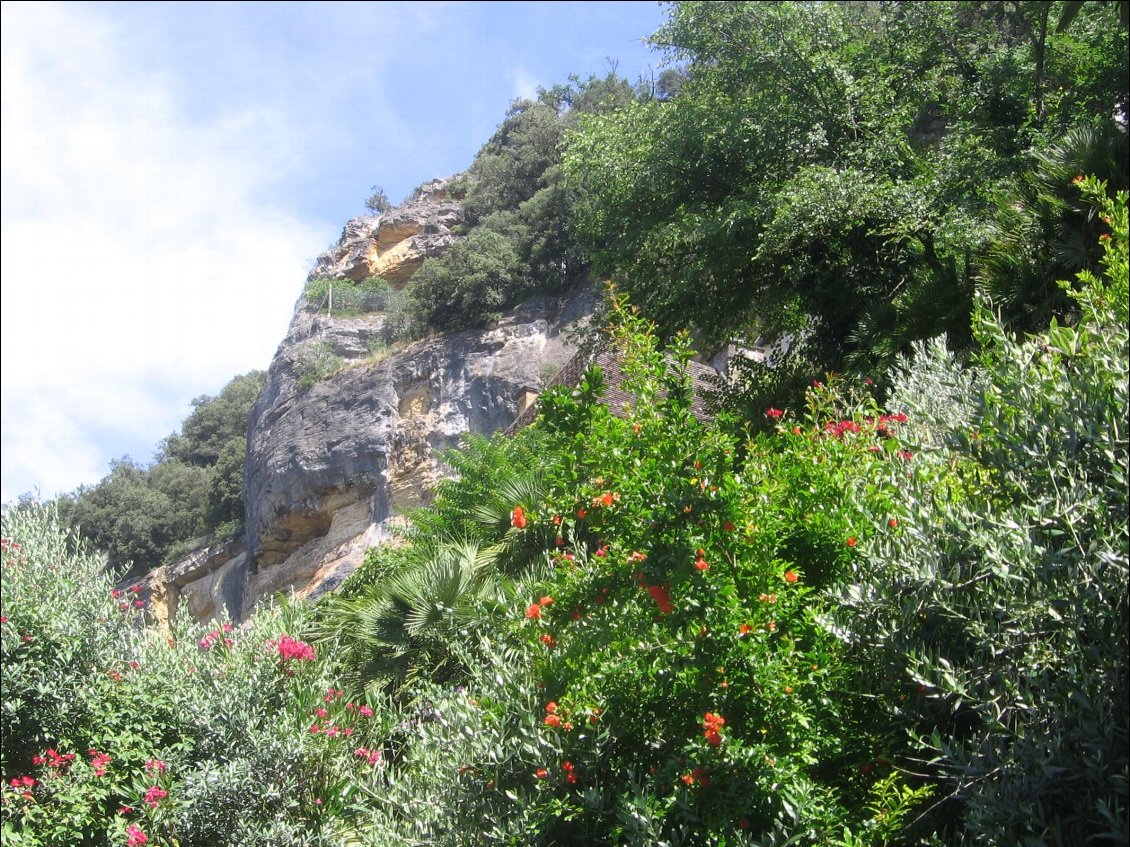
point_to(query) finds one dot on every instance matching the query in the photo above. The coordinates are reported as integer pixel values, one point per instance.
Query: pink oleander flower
(155, 795)
(98, 761)
(291, 648)
(135, 837)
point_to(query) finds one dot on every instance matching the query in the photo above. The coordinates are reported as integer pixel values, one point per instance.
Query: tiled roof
(615, 396)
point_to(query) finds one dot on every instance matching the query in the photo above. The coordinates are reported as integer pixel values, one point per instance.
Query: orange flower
(790, 576)
(700, 562)
(518, 518)
(541, 773)
(533, 612)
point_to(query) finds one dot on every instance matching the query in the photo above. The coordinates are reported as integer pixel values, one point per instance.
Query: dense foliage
(896, 613)
(864, 627)
(140, 515)
(118, 733)
(519, 238)
(833, 166)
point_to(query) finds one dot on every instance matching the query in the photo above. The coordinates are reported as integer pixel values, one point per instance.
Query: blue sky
(170, 171)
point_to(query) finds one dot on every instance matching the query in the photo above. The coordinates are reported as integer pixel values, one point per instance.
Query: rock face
(333, 461)
(394, 245)
(330, 465)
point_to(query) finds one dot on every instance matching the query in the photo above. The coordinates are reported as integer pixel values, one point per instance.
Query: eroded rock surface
(329, 465)
(332, 463)
(394, 245)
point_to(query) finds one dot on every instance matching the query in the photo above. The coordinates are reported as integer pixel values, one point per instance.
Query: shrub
(315, 361)
(999, 606)
(668, 675)
(194, 737)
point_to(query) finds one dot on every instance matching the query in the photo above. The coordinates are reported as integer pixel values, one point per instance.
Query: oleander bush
(116, 732)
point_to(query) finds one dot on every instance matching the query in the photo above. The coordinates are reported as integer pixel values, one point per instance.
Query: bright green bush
(682, 584)
(315, 361)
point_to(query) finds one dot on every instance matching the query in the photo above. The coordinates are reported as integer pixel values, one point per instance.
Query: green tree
(378, 202)
(829, 168)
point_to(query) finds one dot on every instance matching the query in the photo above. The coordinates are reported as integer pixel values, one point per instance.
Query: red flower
(518, 518)
(892, 522)
(567, 766)
(712, 725)
(851, 541)
(548, 641)
(745, 629)
(155, 795)
(541, 773)
(533, 612)
(292, 648)
(727, 527)
(552, 720)
(700, 562)
(791, 576)
(581, 514)
(98, 761)
(662, 598)
(773, 413)
(551, 708)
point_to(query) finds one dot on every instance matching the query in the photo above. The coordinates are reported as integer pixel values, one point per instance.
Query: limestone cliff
(329, 465)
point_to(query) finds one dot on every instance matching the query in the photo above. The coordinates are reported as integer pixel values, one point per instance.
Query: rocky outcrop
(328, 466)
(344, 435)
(394, 245)
(196, 585)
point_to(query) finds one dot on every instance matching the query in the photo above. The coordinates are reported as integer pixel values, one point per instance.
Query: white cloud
(525, 85)
(142, 264)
